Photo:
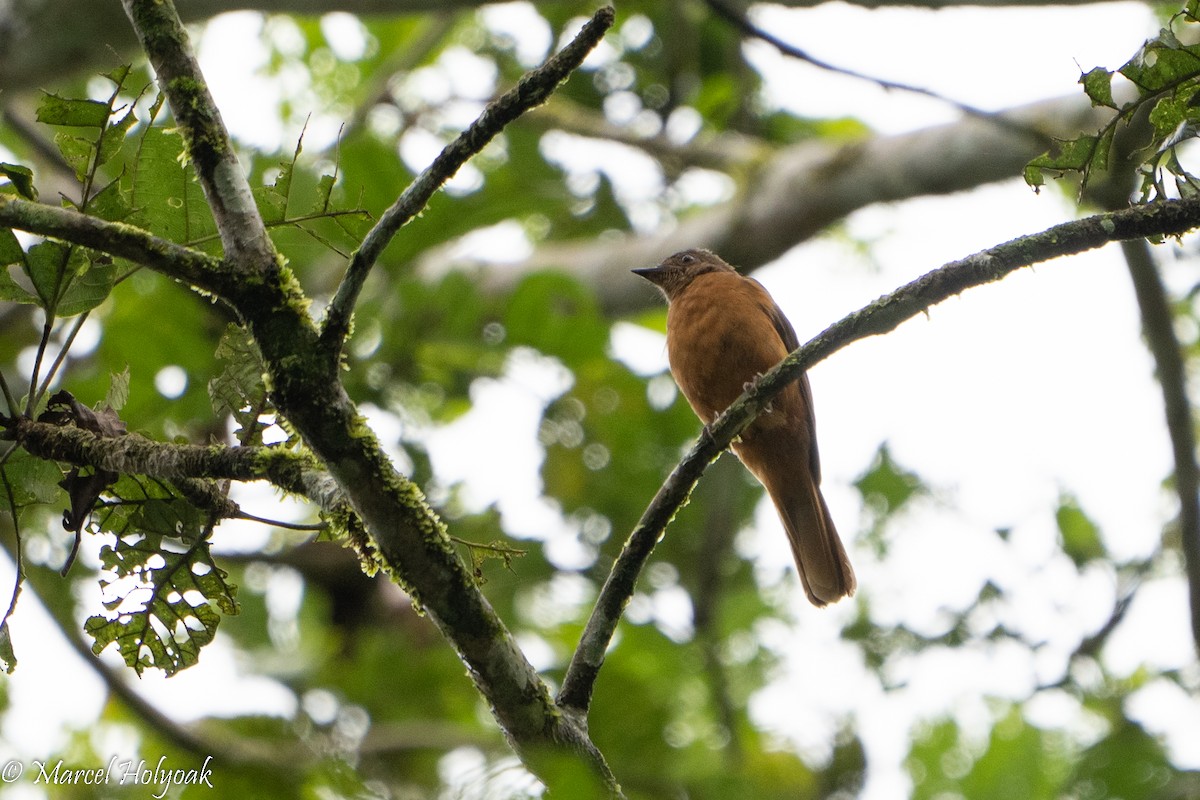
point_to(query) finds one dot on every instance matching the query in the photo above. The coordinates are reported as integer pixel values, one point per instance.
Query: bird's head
(677, 272)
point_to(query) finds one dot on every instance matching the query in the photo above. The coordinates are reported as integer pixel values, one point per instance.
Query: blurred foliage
(382, 708)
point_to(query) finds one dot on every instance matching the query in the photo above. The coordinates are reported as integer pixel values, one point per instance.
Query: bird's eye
(687, 258)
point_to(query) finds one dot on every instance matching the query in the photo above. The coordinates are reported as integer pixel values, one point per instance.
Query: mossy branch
(165, 41)
(183, 264)
(408, 537)
(1169, 218)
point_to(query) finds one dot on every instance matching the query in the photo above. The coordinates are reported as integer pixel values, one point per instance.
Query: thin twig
(58, 360)
(278, 523)
(1169, 218)
(742, 23)
(43, 342)
(533, 89)
(17, 556)
(11, 402)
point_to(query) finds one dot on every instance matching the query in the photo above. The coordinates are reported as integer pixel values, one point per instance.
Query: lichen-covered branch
(183, 264)
(532, 90)
(226, 188)
(885, 314)
(134, 454)
(408, 537)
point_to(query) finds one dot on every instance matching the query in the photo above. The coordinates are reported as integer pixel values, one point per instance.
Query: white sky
(1001, 399)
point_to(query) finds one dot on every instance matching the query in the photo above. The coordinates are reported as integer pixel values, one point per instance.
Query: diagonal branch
(1160, 219)
(532, 90)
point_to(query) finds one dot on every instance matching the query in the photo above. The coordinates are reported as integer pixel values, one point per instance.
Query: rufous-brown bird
(723, 331)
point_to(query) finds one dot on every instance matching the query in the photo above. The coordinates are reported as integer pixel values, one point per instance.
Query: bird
(723, 331)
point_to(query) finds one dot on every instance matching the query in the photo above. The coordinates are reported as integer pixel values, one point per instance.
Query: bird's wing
(788, 335)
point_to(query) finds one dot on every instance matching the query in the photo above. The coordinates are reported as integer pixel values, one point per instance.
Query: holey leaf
(159, 594)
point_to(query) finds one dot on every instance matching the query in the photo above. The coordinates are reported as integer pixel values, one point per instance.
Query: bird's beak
(649, 273)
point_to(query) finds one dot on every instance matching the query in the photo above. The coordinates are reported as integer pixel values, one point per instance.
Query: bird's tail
(820, 557)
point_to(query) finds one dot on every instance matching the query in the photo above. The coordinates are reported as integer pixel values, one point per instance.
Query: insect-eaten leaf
(161, 598)
(1074, 155)
(1097, 83)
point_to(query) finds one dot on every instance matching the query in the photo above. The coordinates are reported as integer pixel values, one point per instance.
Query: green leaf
(1079, 534)
(8, 658)
(159, 599)
(77, 151)
(110, 203)
(56, 110)
(169, 517)
(31, 480)
(167, 199)
(1074, 155)
(21, 178)
(119, 74)
(1097, 83)
(46, 265)
(11, 251)
(11, 291)
(238, 390)
(90, 285)
(1162, 63)
(113, 138)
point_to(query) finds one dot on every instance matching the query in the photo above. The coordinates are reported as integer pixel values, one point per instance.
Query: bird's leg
(748, 385)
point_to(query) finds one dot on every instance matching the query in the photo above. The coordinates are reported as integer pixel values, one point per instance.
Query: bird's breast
(717, 342)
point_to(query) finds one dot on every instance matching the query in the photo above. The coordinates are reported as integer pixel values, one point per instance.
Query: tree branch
(134, 454)
(183, 264)
(163, 38)
(1161, 219)
(532, 90)
(1158, 326)
(408, 538)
